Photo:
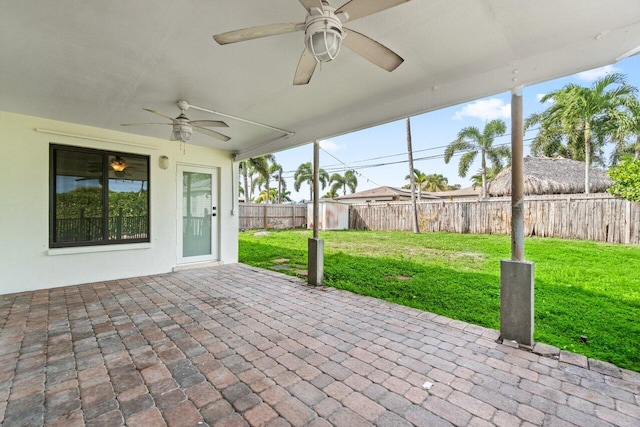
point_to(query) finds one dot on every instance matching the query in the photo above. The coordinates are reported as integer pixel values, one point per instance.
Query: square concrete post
(517, 275)
(316, 261)
(516, 301)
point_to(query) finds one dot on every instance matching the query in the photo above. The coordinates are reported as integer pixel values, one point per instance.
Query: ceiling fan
(183, 127)
(324, 34)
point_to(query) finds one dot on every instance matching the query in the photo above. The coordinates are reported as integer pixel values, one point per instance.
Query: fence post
(627, 222)
(264, 216)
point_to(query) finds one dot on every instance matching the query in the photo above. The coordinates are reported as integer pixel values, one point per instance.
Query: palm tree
(304, 173)
(244, 171)
(419, 178)
(266, 197)
(285, 195)
(349, 179)
(240, 189)
(586, 116)
(549, 141)
(476, 180)
(412, 180)
(257, 185)
(331, 194)
(435, 182)
(261, 166)
(276, 172)
(472, 141)
(627, 135)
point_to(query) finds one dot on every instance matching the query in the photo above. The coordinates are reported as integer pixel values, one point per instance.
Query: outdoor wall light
(163, 161)
(118, 164)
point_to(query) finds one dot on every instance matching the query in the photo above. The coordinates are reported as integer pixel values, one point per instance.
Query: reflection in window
(98, 197)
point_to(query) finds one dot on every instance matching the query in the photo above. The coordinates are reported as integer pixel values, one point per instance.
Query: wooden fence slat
(255, 216)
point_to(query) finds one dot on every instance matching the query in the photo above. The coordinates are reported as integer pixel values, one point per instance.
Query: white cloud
(328, 145)
(485, 109)
(595, 74)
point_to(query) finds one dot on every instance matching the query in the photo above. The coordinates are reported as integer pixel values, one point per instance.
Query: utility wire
(334, 168)
(439, 147)
(349, 167)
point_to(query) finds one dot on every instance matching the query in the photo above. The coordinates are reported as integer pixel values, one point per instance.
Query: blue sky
(386, 144)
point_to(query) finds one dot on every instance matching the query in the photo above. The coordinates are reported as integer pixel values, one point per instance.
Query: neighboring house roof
(544, 175)
(381, 194)
(456, 194)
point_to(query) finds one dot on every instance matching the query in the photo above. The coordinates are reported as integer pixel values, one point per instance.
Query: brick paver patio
(236, 346)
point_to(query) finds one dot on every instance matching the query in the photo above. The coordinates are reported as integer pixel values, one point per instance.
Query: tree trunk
(587, 156)
(268, 192)
(484, 175)
(412, 179)
(245, 178)
(637, 154)
(279, 189)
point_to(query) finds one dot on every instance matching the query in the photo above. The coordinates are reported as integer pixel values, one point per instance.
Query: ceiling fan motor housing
(323, 33)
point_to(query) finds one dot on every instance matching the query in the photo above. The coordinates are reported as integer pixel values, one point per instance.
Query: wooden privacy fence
(255, 216)
(600, 218)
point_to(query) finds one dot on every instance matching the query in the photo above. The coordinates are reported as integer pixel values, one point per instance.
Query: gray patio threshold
(235, 345)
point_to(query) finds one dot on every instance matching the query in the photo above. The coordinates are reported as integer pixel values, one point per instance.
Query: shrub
(627, 179)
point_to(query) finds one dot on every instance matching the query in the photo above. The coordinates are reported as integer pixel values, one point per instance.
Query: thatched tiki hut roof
(544, 175)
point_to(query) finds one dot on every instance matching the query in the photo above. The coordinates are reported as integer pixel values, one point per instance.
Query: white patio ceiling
(99, 63)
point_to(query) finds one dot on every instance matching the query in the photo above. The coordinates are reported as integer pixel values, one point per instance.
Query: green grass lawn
(581, 288)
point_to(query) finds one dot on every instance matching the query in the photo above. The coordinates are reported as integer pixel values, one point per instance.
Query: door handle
(213, 211)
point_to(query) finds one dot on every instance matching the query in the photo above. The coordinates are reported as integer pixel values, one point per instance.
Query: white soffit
(100, 63)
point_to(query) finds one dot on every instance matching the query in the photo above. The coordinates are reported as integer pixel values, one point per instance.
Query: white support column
(315, 253)
(517, 177)
(516, 274)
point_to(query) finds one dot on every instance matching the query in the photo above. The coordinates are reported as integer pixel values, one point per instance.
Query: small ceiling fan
(183, 127)
(324, 34)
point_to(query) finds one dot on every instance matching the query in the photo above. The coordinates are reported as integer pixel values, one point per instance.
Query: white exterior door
(197, 214)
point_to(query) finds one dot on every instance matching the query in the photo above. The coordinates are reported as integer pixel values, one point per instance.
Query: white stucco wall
(27, 263)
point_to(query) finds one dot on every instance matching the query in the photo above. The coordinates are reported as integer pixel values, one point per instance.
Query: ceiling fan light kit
(323, 34)
(182, 131)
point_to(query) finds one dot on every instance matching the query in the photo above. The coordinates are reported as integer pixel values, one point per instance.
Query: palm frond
(465, 162)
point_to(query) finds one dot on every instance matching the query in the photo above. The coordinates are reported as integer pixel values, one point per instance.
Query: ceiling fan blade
(257, 32)
(306, 67)
(144, 124)
(357, 9)
(160, 114)
(211, 133)
(209, 123)
(372, 51)
(308, 4)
